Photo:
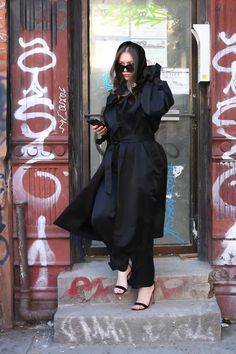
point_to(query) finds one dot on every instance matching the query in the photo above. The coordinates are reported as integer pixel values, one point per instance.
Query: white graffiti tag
(105, 330)
(42, 49)
(62, 109)
(226, 179)
(40, 251)
(229, 103)
(37, 91)
(35, 104)
(229, 255)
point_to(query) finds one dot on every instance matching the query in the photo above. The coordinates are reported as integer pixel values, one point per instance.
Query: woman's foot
(145, 296)
(122, 284)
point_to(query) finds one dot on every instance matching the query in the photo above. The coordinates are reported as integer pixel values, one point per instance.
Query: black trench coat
(140, 162)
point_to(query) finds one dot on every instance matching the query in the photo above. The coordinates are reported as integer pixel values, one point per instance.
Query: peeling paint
(223, 190)
(229, 255)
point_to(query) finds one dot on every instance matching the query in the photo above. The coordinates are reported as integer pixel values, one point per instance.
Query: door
(163, 28)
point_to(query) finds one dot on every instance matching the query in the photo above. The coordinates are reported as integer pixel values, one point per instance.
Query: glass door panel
(163, 28)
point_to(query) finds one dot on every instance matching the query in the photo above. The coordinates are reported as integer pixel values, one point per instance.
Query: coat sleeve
(156, 96)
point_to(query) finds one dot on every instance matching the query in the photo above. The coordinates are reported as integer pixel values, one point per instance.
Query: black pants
(141, 254)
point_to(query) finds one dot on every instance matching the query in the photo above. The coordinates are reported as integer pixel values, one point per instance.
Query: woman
(124, 203)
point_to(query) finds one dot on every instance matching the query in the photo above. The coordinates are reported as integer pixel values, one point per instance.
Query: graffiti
(37, 96)
(3, 101)
(84, 289)
(225, 182)
(3, 37)
(5, 254)
(41, 251)
(4, 247)
(40, 201)
(169, 288)
(88, 289)
(62, 108)
(107, 328)
(117, 328)
(229, 255)
(107, 84)
(3, 109)
(173, 173)
(229, 103)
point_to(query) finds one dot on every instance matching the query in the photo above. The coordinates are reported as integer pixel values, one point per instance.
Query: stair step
(94, 281)
(164, 322)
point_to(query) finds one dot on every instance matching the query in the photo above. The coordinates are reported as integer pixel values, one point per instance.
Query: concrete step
(164, 322)
(94, 281)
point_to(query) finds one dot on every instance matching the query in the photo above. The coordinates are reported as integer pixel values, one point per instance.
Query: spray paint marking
(4, 246)
(3, 111)
(5, 254)
(226, 180)
(229, 103)
(229, 255)
(85, 289)
(115, 329)
(41, 251)
(107, 329)
(62, 108)
(36, 96)
(173, 173)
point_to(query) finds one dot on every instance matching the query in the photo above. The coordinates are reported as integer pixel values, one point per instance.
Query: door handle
(87, 115)
(166, 117)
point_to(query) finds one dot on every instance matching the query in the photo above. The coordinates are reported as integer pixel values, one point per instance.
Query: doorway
(163, 28)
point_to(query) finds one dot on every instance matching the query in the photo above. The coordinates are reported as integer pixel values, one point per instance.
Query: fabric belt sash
(109, 155)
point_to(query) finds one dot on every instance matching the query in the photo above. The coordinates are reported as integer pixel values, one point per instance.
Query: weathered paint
(6, 275)
(100, 289)
(39, 88)
(223, 103)
(166, 321)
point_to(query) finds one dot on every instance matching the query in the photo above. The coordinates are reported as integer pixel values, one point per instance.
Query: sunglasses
(128, 67)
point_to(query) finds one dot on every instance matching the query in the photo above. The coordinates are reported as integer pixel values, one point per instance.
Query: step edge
(187, 302)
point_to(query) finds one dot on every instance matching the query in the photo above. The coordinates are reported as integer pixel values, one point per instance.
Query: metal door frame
(80, 161)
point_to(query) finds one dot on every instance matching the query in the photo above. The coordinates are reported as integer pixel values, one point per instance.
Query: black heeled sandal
(145, 306)
(122, 287)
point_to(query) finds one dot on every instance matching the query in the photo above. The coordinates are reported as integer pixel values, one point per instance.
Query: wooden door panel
(39, 135)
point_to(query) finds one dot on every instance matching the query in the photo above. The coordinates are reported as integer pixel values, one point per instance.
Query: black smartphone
(94, 121)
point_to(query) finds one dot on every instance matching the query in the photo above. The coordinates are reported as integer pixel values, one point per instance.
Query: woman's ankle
(127, 270)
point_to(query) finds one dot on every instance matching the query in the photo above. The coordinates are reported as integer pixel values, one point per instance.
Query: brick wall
(3, 37)
(5, 242)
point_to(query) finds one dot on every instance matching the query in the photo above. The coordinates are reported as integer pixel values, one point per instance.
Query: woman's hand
(100, 130)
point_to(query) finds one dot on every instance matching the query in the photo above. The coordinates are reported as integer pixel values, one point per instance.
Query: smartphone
(94, 121)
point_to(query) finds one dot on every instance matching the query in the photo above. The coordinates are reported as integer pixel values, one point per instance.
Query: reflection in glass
(163, 29)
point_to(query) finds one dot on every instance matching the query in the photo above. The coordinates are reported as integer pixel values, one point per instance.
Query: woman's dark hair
(139, 58)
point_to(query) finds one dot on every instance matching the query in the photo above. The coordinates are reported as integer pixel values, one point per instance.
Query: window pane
(163, 28)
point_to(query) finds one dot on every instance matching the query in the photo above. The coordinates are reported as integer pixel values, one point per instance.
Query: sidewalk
(26, 339)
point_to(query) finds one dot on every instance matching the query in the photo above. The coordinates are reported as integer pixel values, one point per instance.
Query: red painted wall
(6, 274)
(39, 140)
(223, 104)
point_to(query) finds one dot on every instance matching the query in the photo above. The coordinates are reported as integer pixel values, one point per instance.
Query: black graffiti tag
(3, 242)
(4, 258)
